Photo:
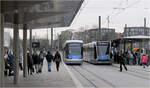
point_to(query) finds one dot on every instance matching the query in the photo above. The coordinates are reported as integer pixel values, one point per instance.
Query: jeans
(49, 65)
(137, 61)
(131, 61)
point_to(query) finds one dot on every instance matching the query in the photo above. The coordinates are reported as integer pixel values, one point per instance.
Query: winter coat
(10, 59)
(36, 59)
(121, 58)
(29, 60)
(57, 57)
(49, 57)
(144, 59)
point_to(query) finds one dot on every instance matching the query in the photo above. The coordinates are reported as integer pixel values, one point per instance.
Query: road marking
(76, 81)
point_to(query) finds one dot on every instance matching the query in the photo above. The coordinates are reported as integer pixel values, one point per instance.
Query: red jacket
(144, 59)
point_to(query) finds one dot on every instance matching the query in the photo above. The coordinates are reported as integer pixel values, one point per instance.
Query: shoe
(49, 70)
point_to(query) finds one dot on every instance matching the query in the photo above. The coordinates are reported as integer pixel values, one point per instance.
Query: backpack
(41, 56)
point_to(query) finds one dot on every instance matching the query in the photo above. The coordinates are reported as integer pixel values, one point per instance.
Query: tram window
(75, 49)
(103, 50)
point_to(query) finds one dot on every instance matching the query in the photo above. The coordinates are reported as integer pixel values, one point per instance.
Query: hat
(48, 52)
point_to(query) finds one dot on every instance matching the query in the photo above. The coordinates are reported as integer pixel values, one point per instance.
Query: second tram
(73, 52)
(97, 52)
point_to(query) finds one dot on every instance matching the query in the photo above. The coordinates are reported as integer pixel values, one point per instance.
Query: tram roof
(41, 13)
(70, 41)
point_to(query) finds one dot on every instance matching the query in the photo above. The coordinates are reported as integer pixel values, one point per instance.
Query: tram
(73, 52)
(97, 52)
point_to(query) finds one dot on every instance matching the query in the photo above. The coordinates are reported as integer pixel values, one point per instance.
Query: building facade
(93, 35)
(136, 31)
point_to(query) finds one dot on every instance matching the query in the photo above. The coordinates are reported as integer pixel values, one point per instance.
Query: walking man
(41, 55)
(57, 59)
(121, 60)
(49, 58)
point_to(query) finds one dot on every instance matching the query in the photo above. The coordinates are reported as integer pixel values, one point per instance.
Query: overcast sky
(120, 12)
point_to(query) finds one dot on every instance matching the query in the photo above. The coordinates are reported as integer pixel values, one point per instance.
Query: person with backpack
(122, 61)
(57, 59)
(49, 58)
(41, 55)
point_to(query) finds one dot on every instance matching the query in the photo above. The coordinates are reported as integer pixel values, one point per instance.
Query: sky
(120, 12)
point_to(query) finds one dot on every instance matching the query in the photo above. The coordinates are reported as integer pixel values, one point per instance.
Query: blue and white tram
(73, 52)
(97, 52)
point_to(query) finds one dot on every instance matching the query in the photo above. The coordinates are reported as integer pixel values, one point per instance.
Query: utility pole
(108, 22)
(51, 38)
(100, 36)
(144, 22)
(47, 38)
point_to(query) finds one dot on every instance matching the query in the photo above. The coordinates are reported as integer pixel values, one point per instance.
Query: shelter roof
(41, 13)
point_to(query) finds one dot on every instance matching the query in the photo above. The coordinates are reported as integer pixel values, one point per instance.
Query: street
(109, 76)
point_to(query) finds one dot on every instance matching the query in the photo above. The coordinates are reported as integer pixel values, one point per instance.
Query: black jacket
(49, 57)
(57, 57)
(121, 58)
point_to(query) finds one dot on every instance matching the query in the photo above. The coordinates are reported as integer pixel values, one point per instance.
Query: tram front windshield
(103, 49)
(74, 49)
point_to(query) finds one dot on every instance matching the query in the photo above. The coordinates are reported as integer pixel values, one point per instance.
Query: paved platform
(45, 79)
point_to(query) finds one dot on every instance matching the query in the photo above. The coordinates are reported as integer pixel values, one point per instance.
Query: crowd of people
(34, 61)
(132, 58)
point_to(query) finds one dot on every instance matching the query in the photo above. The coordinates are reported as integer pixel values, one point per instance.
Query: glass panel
(103, 50)
(75, 49)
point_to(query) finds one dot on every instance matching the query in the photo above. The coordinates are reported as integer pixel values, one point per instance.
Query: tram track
(93, 84)
(93, 74)
(131, 72)
(110, 84)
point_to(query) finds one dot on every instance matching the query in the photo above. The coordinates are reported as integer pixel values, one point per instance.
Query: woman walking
(57, 59)
(144, 60)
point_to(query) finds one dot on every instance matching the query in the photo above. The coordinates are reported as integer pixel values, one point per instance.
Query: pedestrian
(41, 55)
(144, 60)
(36, 61)
(137, 58)
(30, 63)
(11, 64)
(49, 58)
(131, 58)
(6, 64)
(20, 58)
(122, 61)
(57, 59)
(20, 61)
